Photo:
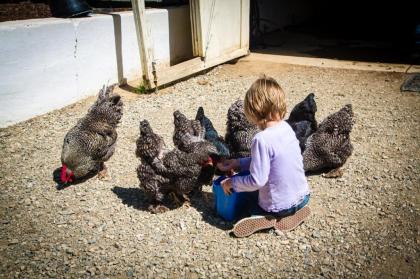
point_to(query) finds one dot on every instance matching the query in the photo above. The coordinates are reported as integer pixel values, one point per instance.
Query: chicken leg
(103, 173)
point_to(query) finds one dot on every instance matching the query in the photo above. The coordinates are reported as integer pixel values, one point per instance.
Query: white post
(144, 43)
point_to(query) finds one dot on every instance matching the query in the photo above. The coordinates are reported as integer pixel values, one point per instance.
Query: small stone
(203, 82)
(65, 212)
(13, 241)
(70, 251)
(130, 273)
(102, 228)
(398, 247)
(348, 266)
(91, 271)
(139, 237)
(279, 232)
(316, 234)
(315, 248)
(326, 261)
(324, 270)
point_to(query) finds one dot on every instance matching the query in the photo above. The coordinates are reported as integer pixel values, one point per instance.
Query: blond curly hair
(265, 101)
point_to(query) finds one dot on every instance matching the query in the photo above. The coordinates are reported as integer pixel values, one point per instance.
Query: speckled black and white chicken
(91, 142)
(163, 171)
(239, 131)
(329, 147)
(187, 134)
(302, 119)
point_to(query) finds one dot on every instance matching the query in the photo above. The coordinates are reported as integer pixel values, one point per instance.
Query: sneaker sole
(290, 222)
(250, 225)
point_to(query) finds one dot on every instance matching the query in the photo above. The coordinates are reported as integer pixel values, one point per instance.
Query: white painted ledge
(46, 64)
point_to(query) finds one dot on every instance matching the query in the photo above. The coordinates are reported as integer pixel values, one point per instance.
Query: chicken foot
(181, 200)
(103, 173)
(334, 173)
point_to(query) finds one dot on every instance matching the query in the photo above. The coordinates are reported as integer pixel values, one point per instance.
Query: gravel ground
(365, 224)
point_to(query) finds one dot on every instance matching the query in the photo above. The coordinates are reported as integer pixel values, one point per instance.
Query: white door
(220, 32)
(219, 27)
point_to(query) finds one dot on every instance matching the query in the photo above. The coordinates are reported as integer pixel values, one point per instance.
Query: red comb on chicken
(66, 176)
(209, 162)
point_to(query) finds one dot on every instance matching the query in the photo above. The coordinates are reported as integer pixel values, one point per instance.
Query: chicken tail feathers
(108, 107)
(200, 114)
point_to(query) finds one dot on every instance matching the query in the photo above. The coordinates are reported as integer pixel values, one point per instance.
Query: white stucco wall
(46, 64)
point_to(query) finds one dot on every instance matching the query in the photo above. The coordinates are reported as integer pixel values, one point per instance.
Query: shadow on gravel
(204, 203)
(133, 197)
(61, 186)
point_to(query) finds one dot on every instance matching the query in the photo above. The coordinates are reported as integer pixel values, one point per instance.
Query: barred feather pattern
(190, 136)
(93, 139)
(330, 146)
(162, 171)
(239, 131)
(186, 131)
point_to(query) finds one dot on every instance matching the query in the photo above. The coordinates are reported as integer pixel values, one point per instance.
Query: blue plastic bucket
(228, 207)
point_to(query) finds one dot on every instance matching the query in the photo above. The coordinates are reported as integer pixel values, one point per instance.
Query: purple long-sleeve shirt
(276, 169)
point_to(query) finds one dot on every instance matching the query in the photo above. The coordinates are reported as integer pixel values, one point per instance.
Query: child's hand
(227, 186)
(228, 165)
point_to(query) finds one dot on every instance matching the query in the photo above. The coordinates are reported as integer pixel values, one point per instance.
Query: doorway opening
(371, 31)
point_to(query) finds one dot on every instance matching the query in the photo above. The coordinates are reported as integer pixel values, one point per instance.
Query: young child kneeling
(275, 166)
